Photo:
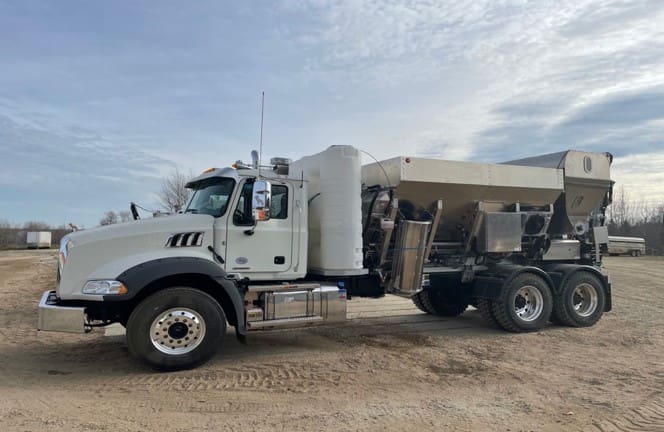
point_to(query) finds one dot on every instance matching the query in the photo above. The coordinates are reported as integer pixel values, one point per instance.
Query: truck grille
(185, 239)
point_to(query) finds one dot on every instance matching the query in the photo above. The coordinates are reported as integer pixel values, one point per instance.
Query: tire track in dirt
(649, 417)
(283, 377)
(199, 404)
(400, 371)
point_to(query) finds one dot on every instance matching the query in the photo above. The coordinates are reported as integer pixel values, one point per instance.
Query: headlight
(104, 287)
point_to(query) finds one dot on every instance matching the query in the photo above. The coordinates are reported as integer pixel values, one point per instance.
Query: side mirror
(260, 200)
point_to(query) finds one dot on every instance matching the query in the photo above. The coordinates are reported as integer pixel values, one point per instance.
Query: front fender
(142, 276)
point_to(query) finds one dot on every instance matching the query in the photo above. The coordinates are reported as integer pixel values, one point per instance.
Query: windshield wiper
(192, 210)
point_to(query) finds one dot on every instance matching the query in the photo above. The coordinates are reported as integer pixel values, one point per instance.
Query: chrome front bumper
(59, 318)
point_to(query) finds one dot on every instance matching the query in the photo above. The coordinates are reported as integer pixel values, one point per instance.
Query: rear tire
(435, 302)
(484, 306)
(177, 328)
(424, 306)
(581, 301)
(525, 304)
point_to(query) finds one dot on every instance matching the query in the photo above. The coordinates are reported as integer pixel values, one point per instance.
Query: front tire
(177, 328)
(525, 304)
(581, 301)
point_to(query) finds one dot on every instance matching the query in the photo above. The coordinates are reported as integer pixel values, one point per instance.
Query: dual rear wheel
(527, 303)
(581, 301)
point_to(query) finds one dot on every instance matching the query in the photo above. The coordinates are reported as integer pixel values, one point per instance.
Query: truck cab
(258, 240)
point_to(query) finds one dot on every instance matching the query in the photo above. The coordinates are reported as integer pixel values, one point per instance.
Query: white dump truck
(284, 245)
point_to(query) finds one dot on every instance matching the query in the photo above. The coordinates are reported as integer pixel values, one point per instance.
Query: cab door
(261, 251)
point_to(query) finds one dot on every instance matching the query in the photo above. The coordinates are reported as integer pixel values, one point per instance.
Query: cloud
(535, 77)
(114, 94)
(641, 176)
(622, 124)
(70, 176)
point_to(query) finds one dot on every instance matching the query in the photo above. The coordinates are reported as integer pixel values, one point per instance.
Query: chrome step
(283, 287)
(286, 322)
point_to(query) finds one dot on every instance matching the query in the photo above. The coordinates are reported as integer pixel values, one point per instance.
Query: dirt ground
(390, 367)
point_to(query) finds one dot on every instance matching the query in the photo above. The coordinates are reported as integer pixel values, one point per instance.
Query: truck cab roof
(212, 173)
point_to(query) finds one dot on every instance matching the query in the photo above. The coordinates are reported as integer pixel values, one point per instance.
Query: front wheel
(525, 304)
(177, 328)
(581, 301)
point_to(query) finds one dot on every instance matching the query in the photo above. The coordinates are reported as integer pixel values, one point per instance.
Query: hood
(143, 227)
(106, 252)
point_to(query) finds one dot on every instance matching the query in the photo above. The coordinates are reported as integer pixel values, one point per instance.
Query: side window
(278, 207)
(279, 204)
(242, 214)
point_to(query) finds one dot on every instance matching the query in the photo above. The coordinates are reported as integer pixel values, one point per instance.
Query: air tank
(335, 210)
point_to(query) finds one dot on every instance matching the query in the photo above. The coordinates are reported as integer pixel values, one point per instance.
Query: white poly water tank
(335, 210)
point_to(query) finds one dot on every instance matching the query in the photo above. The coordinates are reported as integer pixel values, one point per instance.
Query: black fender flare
(137, 278)
(560, 274)
(490, 284)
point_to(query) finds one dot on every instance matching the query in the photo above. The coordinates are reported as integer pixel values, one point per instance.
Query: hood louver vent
(185, 239)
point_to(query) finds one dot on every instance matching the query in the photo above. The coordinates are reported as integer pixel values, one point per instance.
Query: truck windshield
(211, 196)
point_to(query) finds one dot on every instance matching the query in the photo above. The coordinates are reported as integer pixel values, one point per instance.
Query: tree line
(15, 235)
(172, 197)
(637, 218)
(625, 216)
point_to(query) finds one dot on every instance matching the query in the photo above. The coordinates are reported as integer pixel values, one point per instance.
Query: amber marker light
(122, 289)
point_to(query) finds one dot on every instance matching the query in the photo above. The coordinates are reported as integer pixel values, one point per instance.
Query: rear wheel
(177, 328)
(581, 301)
(422, 304)
(439, 302)
(525, 304)
(484, 306)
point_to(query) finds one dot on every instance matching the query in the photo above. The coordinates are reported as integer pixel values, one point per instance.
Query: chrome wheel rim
(528, 303)
(177, 331)
(584, 299)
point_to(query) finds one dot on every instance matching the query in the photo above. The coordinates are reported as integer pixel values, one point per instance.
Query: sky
(100, 100)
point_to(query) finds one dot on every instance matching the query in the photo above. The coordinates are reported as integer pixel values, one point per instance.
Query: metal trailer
(634, 246)
(289, 244)
(38, 239)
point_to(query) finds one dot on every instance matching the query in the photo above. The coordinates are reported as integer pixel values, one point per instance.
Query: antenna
(260, 148)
